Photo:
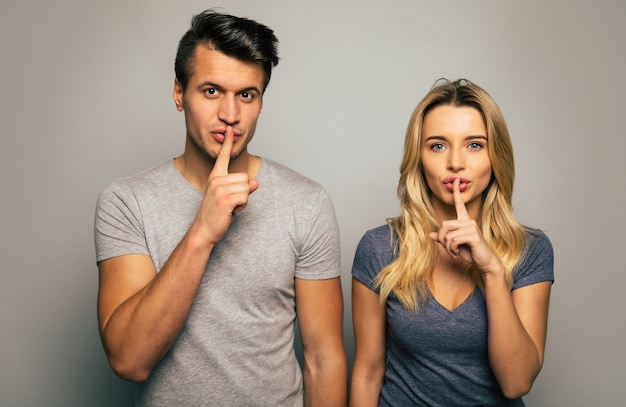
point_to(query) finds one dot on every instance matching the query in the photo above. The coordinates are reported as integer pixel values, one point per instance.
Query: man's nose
(229, 110)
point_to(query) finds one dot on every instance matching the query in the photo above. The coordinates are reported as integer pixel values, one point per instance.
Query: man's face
(222, 92)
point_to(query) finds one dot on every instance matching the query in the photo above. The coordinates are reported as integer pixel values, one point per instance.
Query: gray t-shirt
(236, 348)
(437, 357)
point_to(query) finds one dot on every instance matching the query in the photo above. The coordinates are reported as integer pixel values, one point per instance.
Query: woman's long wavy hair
(416, 255)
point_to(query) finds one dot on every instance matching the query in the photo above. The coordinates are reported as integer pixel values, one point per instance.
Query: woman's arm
(517, 321)
(369, 322)
(517, 324)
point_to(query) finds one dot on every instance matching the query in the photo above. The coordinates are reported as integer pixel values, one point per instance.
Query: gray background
(86, 98)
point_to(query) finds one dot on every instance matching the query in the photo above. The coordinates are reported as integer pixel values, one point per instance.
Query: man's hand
(226, 194)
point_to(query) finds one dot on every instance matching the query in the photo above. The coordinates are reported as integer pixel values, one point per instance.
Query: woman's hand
(463, 238)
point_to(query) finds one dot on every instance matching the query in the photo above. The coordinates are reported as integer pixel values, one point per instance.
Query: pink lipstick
(449, 183)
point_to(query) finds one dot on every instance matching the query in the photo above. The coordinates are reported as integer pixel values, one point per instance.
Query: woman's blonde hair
(408, 276)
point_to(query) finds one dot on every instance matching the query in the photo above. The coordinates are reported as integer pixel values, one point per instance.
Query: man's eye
(211, 91)
(247, 96)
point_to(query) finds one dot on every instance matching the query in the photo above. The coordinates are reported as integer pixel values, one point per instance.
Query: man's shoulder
(147, 184)
(293, 189)
(146, 179)
(279, 173)
(156, 172)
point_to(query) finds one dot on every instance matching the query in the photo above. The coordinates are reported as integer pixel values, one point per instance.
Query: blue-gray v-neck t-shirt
(438, 357)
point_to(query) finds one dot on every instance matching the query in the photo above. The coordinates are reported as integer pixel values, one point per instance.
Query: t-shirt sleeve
(118, 229)
(537, 263)
(373, 253)
(320, 254)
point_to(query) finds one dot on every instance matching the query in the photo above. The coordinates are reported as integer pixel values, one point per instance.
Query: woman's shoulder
(537, 261)
(376, 245)
(382, 236)
(374, 251)
(536, 239)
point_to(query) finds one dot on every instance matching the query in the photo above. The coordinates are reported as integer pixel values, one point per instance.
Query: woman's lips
(449, 183)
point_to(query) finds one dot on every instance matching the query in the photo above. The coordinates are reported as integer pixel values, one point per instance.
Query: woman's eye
(475, 146)
(436, 146)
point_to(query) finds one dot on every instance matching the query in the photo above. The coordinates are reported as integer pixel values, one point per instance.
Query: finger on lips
(223, 157)
(461, 210)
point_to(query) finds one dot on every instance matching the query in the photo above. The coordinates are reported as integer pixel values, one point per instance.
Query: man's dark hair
(237, 37)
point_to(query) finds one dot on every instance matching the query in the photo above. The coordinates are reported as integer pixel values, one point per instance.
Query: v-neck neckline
(462, 304)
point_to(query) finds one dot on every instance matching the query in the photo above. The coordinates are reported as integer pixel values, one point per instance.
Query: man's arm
(141, 312)
(319, 308)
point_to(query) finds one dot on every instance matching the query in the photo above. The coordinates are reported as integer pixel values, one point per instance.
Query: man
(206, 260)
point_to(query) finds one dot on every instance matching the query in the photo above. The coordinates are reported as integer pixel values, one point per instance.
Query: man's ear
(177, 95)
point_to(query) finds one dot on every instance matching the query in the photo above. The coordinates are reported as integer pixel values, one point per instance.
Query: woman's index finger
(459, 205)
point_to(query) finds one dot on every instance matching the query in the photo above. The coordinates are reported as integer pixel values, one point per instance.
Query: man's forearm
(327, 386)
(143, 327)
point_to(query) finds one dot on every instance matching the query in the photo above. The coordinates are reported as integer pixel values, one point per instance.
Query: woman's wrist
(494, 273)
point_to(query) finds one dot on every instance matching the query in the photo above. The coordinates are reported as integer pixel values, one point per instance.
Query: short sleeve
(118, 229)
(373, 253)
(319, 256)
(537, 262)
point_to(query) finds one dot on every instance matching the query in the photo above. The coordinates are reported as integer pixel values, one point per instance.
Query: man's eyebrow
(250, 89)
(215, 85)
(210, 84)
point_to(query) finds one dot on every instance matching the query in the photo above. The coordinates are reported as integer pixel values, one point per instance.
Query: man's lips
(449, 183)
(219, 136)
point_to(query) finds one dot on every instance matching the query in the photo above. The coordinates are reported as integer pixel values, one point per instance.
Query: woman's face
(454, 145)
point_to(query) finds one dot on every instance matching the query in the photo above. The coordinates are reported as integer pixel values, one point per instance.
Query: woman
(450, 299)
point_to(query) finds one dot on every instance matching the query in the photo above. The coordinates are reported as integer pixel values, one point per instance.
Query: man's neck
(196, 170)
